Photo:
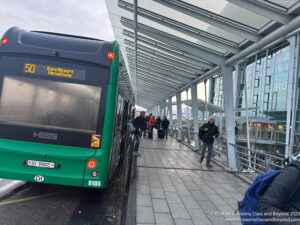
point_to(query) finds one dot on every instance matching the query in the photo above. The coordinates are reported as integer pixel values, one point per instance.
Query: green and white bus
(65, 102)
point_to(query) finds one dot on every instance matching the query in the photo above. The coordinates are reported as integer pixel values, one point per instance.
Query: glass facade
(265, 83)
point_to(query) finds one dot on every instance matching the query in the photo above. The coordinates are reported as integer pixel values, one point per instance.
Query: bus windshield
(49, 104)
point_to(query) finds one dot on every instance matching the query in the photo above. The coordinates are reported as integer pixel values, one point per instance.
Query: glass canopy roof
(180, 41)
(283, 3)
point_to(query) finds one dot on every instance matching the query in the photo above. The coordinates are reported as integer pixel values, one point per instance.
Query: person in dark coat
(147, 121)
(158, 122)
(165, 125)
(140, 126)
(281, 201)
(207, 133)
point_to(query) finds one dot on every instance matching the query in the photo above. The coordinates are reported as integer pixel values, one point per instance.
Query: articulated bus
(64, 106)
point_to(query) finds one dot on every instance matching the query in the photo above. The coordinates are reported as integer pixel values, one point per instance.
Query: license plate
(40, 164)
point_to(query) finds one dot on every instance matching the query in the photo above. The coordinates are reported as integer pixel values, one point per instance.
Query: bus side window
(124, 118)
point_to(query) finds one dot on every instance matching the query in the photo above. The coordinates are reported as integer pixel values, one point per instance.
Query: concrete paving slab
(174, 188)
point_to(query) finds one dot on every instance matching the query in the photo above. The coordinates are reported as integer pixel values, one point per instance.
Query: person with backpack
(207, 133)
(281, 200)
(165, 126)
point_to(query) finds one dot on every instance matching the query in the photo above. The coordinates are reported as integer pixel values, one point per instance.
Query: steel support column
(195, 115)
(135, 12)
(295, 91)
(291, 95)
(289, 98)
(179, 115)
(247, 113)
(160, 109)
(170, 115)
(229, 116)
(206, 100)
(164, 108)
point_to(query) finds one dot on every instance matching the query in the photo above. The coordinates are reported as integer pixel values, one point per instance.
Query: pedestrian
(151, 124)
(207, 133)
(147, 123)
(158, 123)
(140, 126)
(165, 125)
(280, 203)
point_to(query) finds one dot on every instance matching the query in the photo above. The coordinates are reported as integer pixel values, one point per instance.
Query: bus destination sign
(54, 71)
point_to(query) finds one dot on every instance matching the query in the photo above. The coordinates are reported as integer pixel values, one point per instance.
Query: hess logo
(39, 178)
(44, 135)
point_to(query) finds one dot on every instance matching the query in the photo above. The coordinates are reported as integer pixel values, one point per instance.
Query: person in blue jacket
(280, 204)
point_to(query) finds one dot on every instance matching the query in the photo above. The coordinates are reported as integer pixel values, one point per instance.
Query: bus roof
(90, 50)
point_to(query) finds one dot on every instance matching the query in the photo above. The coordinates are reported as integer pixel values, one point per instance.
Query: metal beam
(169, 73)
(213, 19)
(151, 101)
(146, 95)
(148, 77)
(173, 60)
(184, 28)
(182, 65)
(158, 78)
(183, 55)
(170, 61)
(150, 92)
(263, 10)
(170, 67)
(183, 76)
(177, 42)
(145, 70)
(158, 84)
(281, 33)
(147, 67)
(149, 88)
(144, 102)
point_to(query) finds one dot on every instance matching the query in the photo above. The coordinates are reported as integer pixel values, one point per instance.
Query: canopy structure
(171, 46)
(168, 44)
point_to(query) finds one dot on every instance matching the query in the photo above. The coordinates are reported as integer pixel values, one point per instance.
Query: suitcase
(161, 134)
(150, 133)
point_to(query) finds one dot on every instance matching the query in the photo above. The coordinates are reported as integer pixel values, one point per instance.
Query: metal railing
(184, 134)
(250, 161)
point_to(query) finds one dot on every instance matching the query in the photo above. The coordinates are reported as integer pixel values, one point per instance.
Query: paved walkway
(173, 188)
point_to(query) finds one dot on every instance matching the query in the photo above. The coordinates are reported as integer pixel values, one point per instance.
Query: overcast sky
(85, 18)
